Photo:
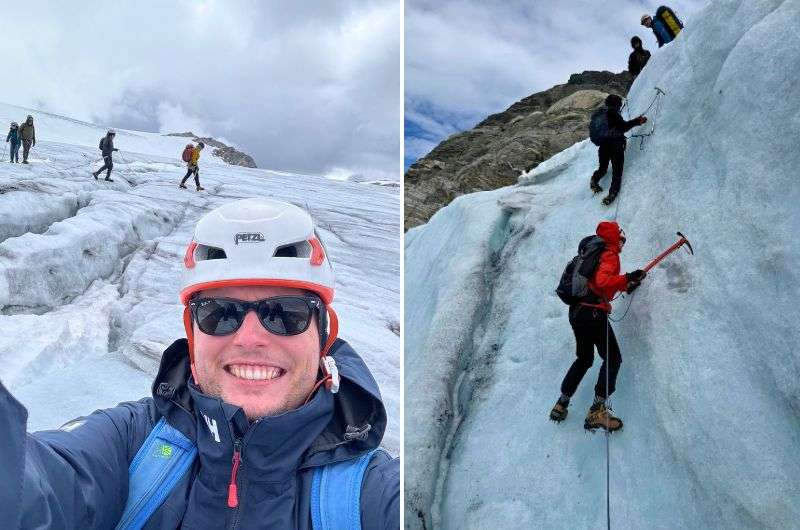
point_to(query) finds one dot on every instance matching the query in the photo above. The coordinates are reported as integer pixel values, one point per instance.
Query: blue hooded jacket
(77, 476)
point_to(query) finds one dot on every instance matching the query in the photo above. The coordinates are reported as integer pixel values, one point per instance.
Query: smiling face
(264, 373)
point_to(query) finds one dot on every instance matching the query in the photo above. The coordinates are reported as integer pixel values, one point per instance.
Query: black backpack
(102, 142)
(574, 285)
(599, 131)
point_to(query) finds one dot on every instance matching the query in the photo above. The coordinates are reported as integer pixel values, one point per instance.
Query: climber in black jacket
(612, 147)
(638, 57)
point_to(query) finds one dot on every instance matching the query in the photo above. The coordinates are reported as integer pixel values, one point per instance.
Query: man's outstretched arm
(74, 477)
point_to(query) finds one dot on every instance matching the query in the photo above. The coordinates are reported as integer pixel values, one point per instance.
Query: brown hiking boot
(559, 412)
(602, 418)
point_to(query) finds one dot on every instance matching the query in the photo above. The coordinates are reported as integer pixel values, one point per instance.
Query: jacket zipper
(233, 494)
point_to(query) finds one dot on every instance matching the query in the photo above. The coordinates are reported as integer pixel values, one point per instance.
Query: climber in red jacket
(589, 321)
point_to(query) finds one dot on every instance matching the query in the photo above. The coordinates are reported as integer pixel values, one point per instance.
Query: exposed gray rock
(504, 145)
(225, 152)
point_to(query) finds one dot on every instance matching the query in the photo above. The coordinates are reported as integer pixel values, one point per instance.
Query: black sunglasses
(281, 315)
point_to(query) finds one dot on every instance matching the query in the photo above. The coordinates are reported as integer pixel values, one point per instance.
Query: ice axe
(682, 241)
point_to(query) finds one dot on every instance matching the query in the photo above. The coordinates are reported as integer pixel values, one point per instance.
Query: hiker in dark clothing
(193, 168)
(15, 141)
(638, 57)
(27, 134)
(107, 147)
(589, 322)
(665, 25)
(612, 147)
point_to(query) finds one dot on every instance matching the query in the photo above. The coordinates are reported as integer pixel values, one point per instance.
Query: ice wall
(710, 382)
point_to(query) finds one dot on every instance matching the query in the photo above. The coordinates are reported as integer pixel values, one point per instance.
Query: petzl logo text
(248, 237)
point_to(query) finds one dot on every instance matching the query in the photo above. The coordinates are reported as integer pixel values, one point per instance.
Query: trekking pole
(682, 241)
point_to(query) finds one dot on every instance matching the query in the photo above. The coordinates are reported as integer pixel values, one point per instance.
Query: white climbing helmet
(111, 132)
(257, 241)
(261, 242)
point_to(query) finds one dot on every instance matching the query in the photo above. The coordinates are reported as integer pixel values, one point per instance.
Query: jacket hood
(340, 425)
(609, 231)
(613, 101)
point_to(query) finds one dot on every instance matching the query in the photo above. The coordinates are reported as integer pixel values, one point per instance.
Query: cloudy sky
(466, 59)
(307, 86)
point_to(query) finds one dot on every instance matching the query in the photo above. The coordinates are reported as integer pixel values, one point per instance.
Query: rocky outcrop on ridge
(504, 145)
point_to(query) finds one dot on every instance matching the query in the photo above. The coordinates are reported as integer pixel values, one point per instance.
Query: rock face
(504, 145)
(226, 153)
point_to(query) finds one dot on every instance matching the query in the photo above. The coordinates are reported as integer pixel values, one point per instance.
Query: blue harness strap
(159, 464)
(336, 494)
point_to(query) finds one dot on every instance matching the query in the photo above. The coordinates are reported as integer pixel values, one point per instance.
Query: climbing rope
(608, 435)
(657, 101)
(620, 319)
(126, 170)
(82, 164)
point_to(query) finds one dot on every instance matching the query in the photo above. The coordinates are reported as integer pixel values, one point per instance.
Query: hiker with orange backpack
(191, 155)
(588, 284)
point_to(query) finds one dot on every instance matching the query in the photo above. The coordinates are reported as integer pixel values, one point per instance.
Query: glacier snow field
(90, 270)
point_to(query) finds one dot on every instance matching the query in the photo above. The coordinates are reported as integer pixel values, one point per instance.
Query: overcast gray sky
(309, 86)
(466, 59)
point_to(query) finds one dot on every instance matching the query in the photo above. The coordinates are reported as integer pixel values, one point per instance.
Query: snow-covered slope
(89, 271)
(710, 384)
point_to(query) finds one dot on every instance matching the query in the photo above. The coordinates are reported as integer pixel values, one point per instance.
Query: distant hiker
(14, 139)
(27, 134)
(607, 131)
(191, 158)
(107, 148)
(665, 25)
(588, 316)
(638, 57)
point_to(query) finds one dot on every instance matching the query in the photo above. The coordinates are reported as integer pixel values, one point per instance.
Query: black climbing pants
(195, 170)
(589, 325)
(613, 152)
(108, 164)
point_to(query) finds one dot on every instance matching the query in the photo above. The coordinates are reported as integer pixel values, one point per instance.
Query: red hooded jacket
(607, 280)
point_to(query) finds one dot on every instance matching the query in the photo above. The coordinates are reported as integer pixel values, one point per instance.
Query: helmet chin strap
(330, 373)
(187, 323)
